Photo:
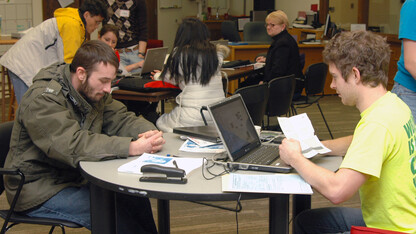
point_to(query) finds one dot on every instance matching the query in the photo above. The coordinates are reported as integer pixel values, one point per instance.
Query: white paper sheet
(190, 146)
(274, 183)
(299, 127)
(187, 164)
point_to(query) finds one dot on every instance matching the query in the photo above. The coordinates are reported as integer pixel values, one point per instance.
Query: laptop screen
(235, 126)
(154, 60)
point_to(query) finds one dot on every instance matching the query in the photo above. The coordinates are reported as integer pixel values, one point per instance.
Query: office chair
(315, 77)
(255, 31)
(10, 216)
(255, 97)
(229, 31)
(281, 91)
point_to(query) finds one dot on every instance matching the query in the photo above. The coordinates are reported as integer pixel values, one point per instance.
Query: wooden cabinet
(395, 46)
(214, 27)
(301, 33)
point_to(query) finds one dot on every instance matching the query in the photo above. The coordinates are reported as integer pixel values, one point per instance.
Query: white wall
(169, 19)
(292, 7)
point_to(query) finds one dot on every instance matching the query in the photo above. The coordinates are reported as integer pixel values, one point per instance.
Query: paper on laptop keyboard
(299, 127)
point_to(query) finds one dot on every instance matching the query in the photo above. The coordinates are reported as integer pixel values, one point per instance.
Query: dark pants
(328, 220)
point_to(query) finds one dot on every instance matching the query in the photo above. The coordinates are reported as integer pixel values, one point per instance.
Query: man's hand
(140, 64)
(290, 150)
(148, 142)
(261, 59)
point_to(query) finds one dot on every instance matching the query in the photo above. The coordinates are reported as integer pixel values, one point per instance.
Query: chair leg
(329, 130)
(268, 123)
(294, 111)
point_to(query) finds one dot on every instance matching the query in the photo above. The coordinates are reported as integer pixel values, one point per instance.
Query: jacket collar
(73, 95)
(85, 24)
(281, 34)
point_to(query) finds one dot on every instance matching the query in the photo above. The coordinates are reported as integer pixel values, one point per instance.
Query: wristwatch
(141, 53)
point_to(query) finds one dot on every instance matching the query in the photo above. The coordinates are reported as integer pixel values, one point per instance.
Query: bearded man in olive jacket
(68, 116)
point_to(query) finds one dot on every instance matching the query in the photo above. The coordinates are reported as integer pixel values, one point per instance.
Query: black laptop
(207, 133)
(241, 141)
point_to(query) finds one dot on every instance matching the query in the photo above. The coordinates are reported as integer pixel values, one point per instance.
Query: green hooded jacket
(56, 128)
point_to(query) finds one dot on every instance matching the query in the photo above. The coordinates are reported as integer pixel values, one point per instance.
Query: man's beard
(87, 92)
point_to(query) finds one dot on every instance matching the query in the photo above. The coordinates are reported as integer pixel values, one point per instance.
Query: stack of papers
(299, 127)
(134, 167)
(273, 183)
(196, 145)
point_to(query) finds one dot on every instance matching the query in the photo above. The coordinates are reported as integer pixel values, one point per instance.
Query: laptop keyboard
(263, 155)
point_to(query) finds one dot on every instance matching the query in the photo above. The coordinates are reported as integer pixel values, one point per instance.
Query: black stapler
(159, 174)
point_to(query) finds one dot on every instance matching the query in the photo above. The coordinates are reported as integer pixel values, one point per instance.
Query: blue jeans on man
(407, 95)
(19, 86)
(134, 214)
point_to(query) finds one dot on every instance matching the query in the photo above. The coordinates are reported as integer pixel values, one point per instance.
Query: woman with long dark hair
(193, 65)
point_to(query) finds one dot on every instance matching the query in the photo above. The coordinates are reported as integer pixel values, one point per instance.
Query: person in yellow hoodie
(54, 40)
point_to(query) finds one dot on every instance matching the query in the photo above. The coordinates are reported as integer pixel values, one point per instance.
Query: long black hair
(192, 49)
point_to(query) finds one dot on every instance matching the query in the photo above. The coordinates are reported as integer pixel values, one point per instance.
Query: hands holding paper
(290, 151)
(148, 142)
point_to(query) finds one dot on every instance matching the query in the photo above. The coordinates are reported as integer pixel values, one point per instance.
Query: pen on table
(172, 155)
(174, 163)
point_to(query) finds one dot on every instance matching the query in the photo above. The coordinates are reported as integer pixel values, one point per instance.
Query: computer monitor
(330, 28)
(327, 25)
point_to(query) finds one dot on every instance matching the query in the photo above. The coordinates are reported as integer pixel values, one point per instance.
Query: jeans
(134, 214)
(19, 86)
(407, 95)
(328, 220)
(127, 58)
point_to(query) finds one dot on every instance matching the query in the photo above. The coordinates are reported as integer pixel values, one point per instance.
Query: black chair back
(5, 134)
(255, 97)
(229, 31)
(315, 78)
(255, 31)
(281, 91)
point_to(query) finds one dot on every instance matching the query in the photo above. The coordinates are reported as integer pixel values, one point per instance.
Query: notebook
(154, 60)
(207, 133)
(240, 139)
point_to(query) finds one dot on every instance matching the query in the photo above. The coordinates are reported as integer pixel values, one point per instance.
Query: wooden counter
(313, 54)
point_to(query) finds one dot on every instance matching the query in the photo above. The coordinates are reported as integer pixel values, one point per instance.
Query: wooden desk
(313, 54)
(234, 77)
(245, 52)
(142, 96)
(5, 41)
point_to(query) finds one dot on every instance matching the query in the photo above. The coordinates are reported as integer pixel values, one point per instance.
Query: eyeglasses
(271, 25)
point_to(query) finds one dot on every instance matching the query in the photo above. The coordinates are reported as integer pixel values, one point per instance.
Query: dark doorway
(263, 5)
(152, 18)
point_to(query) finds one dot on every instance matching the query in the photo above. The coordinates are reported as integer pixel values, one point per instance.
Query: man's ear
(86, 14)
(357, 75)
(81, 74)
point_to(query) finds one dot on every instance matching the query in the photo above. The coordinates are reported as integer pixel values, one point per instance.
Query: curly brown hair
(366, 51)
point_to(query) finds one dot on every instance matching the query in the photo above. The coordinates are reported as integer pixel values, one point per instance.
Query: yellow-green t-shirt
(383, 147)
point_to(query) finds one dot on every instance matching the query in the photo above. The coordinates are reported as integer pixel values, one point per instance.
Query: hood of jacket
(69, 12)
